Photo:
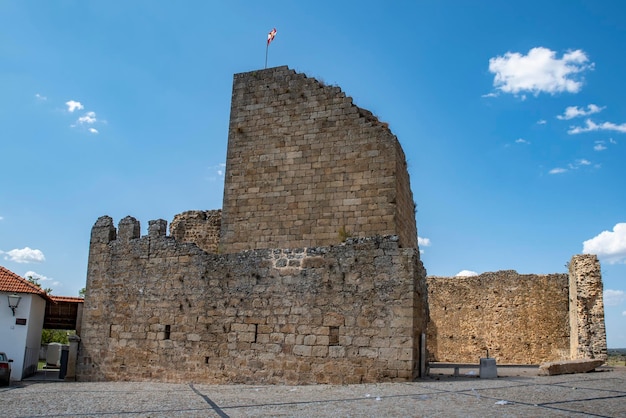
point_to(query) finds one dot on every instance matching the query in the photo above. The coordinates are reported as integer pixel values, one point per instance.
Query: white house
(22, 311)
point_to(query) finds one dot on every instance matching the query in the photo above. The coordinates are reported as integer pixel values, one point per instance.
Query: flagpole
(270, 38)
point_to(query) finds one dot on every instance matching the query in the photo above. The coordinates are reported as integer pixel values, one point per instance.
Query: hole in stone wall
(110, 330)
(333, 336)
(167, 332)
(256, 333)
(206, 360)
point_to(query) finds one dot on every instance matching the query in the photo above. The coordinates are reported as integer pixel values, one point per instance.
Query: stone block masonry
(159, 309)
(306, 167)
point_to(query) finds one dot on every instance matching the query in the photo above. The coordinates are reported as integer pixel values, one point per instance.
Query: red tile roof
(67, 299)
(11, 282)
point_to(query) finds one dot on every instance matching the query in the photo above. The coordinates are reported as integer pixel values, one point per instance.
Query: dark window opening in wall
(333, 337)
(167, 332)
(110, 330)
(206, 360)
(256, 331)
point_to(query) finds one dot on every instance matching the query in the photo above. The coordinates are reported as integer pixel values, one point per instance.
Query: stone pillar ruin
(586, 309)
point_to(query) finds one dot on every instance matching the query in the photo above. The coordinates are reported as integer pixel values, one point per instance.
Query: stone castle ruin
(311, 271)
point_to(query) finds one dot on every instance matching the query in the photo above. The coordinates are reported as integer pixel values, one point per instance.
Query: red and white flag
(270, 36)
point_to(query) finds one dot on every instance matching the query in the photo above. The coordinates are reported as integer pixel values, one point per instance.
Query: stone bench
(489, 369)
(455, 366)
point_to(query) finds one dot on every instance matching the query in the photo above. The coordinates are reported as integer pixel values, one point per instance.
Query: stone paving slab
(599, 394)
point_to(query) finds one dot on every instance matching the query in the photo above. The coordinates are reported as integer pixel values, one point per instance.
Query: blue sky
(512, 117)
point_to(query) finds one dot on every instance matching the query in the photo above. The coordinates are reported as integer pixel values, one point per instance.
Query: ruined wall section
(520, 318)
(306, 167)
(587, 329)
(158, 309)
(201, 227)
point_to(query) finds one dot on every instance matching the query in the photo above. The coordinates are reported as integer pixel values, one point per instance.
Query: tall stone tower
(306, 167)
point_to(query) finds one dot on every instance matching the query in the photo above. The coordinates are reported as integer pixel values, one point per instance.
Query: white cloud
(572, 166)
(40, 97)
(25, 255)
(592, 126)
(42, 279)
(539, 72)
(542, 122)
(1, 218)
(490, 95)
(599, 146)
(624, 313)
(466, 273)
(521, 141)
(93, 130)
(89, 118)
(572, 112)
(612, 141)
(557, 170)
(73, 105)
(423, 242)
(217, 172)
(609, 246)
(614, 297)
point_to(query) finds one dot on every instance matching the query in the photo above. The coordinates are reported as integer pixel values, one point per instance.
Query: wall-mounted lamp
(14, 300)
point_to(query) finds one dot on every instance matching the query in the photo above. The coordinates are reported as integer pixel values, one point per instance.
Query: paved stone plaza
(519, 394)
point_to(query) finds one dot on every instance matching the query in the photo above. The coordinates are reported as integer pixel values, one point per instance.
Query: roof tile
(11, 282)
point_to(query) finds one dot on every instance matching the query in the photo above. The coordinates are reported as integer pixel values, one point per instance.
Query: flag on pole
(270, 36)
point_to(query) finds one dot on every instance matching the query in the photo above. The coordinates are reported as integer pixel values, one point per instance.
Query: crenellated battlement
(129, 228)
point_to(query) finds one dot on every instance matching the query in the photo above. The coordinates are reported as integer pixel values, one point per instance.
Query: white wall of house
(21, 342)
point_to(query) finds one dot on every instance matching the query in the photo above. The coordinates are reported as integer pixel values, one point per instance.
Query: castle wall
(158, 309)
(311, 272)
(519, 318)
(201, 227)
(306, 167)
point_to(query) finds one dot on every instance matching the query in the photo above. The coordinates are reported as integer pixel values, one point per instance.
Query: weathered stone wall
(306, 167)
(201, 227)
(158, 309)
(519, 318)
(587, 330)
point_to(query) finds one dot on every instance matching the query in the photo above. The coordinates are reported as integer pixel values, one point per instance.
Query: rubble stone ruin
(311, 271)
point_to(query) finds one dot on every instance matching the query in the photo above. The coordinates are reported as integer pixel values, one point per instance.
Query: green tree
(55, 336)
(81, 292)
(35, 281)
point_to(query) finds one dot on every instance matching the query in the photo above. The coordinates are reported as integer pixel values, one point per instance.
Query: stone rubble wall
(306, 167)
(201, 227)
(519, 318)
(588, 333)
(159, 309)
